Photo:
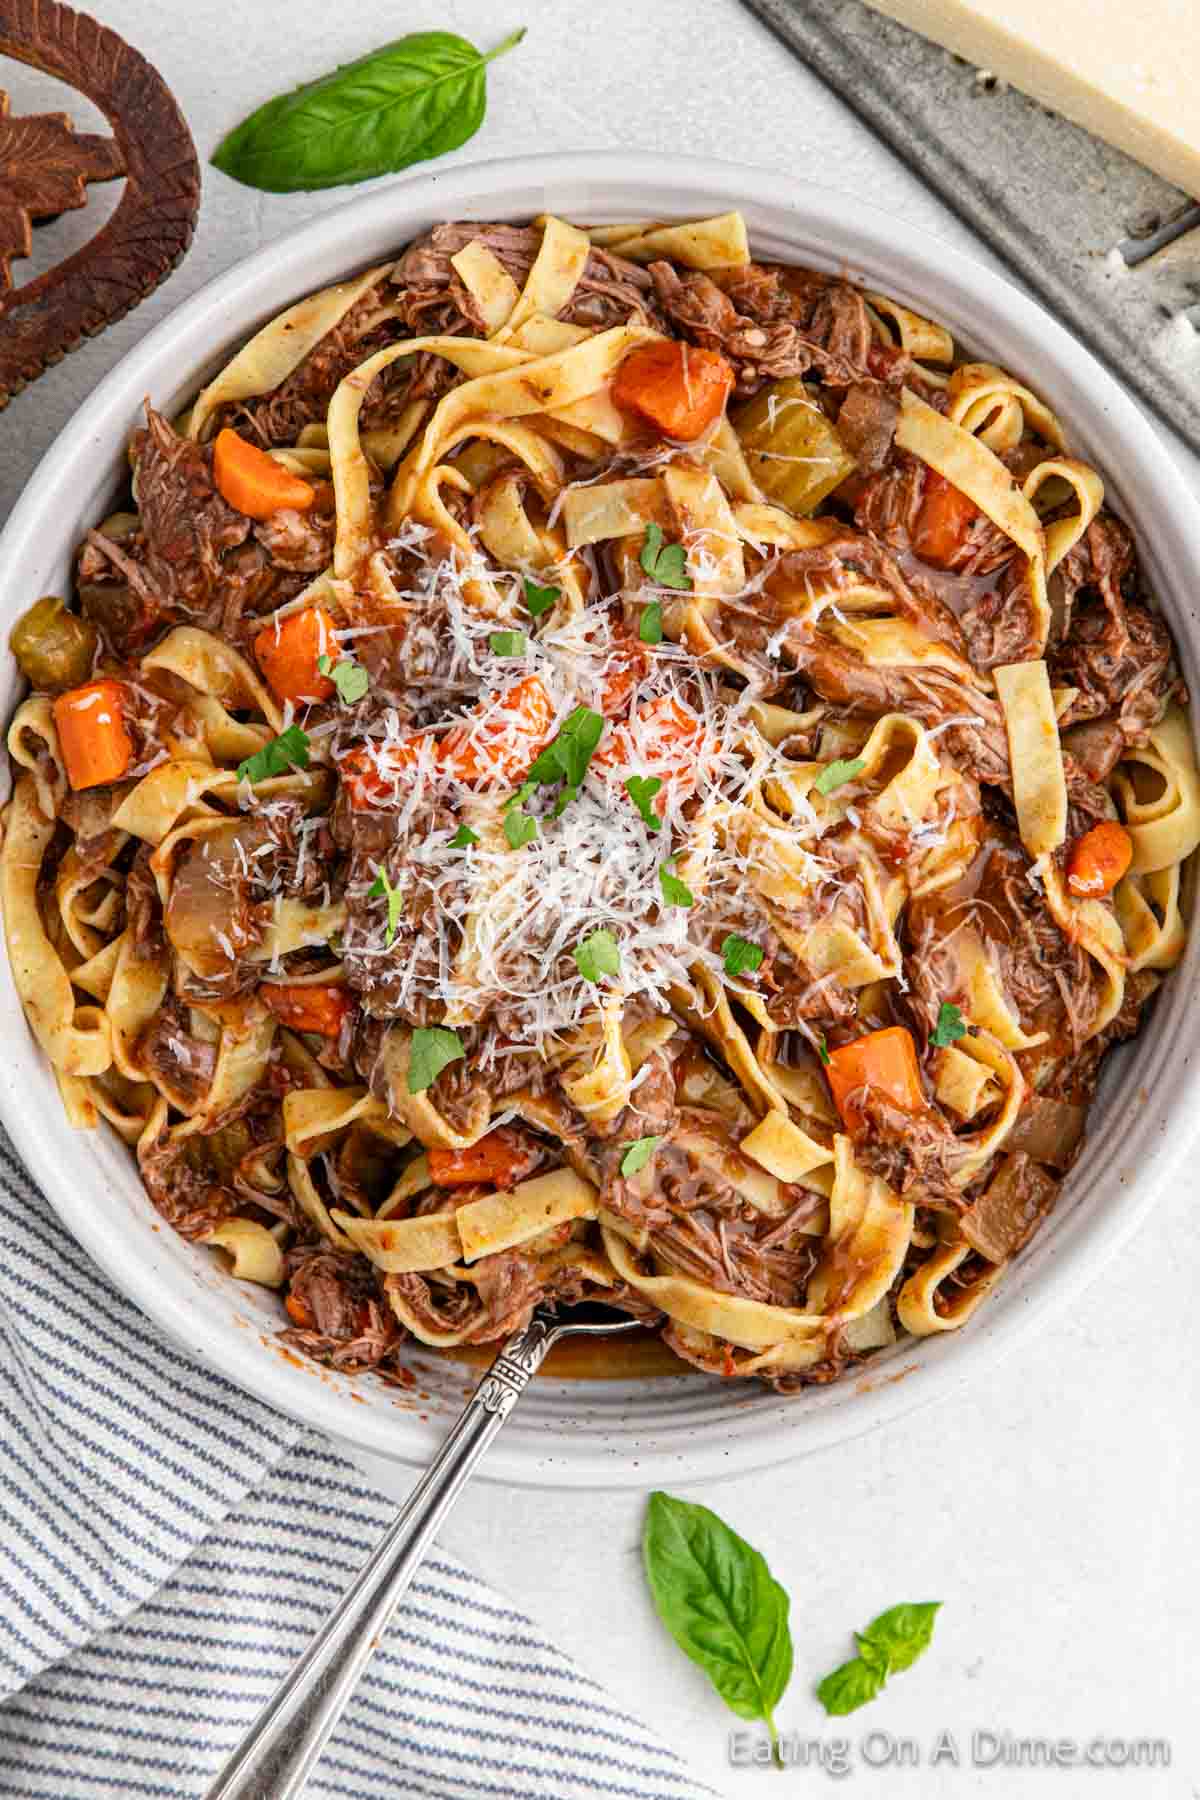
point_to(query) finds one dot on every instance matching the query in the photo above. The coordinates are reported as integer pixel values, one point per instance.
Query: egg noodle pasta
(587, 766)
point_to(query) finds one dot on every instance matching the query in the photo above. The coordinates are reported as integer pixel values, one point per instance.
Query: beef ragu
(586, 766)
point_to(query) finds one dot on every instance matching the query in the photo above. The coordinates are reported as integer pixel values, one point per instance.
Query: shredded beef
(167, 1048)
(1113, 649)
(867, 424)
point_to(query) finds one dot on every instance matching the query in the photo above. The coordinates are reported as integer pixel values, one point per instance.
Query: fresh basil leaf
(836, 774)
(674, 891)
(890, 1644)
(850, 1687)
(519, 828)
(740, 954)
(507, 643)
(463, 838)
(650, 625)
(665, 564)
(568, 754)
(434, 1047)
(415, 98)
(949, 1027)
(641, 790)
(638, 1154)
(349, 677)
(902, 1633)
(597, 955)
(539, 600)
(288, 751)
(395, 901)
(718, 1599)
(564, 800)
(823, 1052)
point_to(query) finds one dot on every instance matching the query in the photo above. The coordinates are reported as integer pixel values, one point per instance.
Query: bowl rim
(849, 232)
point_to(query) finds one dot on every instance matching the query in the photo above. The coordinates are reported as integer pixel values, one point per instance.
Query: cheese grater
(1112, 249)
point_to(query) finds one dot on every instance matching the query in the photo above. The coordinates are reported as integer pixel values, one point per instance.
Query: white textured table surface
(1052, 1508)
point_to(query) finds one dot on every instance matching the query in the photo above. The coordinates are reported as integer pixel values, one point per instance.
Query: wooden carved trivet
(44, 170)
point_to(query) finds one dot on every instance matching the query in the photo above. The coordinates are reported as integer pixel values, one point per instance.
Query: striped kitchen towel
(167, 1547)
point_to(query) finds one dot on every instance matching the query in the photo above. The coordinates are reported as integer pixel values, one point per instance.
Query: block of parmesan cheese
(1127, 70)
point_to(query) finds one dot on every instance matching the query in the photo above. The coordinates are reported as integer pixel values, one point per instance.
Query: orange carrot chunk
(516, 726)
(675, 387)
(306, 1007)
(883, 1062)
(287, 651)
(943, 523)
(299, 1312)
(254, 482)
(372, 777)
(499, 1159)
(90, 722)
(1097, 860)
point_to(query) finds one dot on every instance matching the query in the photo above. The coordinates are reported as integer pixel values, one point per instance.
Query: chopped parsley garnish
(567, 755)
(507, 643)
(650, 624)
(597, 955)
(838, 773)
(674, 891)
(740, 954)
(665, 564)
(638, 1154)
(823, 1052)
(433, 1048)
(539, 600)
(519, 827)
(949, 1028)
(395, 901)
(288, 751)
(641, 790)
(348, 677)
(463, 838)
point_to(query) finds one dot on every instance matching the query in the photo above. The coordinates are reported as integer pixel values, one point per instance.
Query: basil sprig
(417, 97)
(890, 1643)
(719, 1601)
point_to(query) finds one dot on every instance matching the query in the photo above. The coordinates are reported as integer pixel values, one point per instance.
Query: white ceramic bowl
(612, 1433)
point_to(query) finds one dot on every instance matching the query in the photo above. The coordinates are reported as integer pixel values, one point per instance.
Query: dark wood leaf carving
(45, 167)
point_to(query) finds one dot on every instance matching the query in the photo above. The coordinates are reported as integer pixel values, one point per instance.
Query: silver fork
(280, 1750)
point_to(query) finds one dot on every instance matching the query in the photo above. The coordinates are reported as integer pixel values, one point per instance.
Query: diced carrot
(95, 745)
(515, 729)
(517, 726)
(254, 482)
(500, 1159)
(943, 523)
(622, 675)
(299, 1311)
(1097, 860)
(287, 651)
(307, 1007)
(675, 387)
(371, 776)
(661, 738)
(883, 1062)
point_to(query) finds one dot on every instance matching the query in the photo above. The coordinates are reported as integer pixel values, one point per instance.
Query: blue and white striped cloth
(167, 1548)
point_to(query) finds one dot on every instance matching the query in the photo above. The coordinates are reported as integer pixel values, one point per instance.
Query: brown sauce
(637, 1357)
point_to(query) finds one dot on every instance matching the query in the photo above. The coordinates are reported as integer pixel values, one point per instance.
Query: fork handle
(277, 1754)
